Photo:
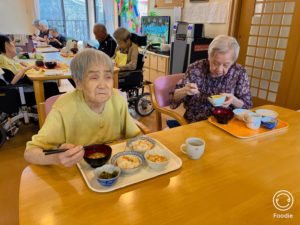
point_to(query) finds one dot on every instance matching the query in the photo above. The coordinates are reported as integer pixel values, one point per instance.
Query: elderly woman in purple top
(220, 74)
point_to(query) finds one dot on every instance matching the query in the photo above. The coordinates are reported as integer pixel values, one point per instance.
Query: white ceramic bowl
(217, 100)
(156, 165)
(240, 113)
(267, 112)
(126, 165)
(141, 144)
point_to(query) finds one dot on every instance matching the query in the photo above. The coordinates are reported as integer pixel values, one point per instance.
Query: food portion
(96, 155)
(157, 158)
(128, 162)
(216, 96)
(67, 54)
(107, 175)
(26, 55)
(141, 144)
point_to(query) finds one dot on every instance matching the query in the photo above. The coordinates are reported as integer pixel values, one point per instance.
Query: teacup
(193, 147)
(253, 120)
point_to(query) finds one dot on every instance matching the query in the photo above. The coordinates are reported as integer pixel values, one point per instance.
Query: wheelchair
(13, 108)
(133, 84)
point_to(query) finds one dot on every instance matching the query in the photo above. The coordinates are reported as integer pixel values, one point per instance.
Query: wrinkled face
(122, 44)
(36, 26)
(53, 33)
(10, 49)
(96, 85)
(100, 35)
(42, 27)
(220, 63)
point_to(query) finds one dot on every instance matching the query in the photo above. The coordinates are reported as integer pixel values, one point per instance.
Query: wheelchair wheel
(143, 105)
(2, 136)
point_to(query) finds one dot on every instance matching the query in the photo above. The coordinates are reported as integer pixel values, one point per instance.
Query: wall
(16, 16)
(211, 30)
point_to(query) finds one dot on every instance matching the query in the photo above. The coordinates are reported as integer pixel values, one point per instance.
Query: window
(99, 12)
(104, 13)
(69, 16)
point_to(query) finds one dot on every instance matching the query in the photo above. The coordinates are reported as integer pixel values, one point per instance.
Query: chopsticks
(53, 151)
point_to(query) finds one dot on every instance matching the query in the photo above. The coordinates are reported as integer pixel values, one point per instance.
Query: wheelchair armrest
(15, 86)
(143, 127)
(126, 73)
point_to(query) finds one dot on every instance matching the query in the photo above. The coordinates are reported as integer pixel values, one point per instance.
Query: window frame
(64, 18)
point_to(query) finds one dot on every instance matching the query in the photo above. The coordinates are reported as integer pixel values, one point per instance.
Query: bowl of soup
(222, 115)
(97, 155)
(50, 64)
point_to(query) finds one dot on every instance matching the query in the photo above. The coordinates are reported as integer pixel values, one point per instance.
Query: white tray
(124, 180)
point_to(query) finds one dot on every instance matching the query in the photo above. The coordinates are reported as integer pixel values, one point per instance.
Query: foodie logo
(283, 200)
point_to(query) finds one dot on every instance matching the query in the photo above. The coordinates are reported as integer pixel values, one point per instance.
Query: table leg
(39, 98)
(116, 79)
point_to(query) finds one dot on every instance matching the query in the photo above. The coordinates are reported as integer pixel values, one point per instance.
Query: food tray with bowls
(239, 129)
(145, 172)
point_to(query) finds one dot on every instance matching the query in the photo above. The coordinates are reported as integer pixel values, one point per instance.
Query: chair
(160, 97)
(13, 108)
(47, 106)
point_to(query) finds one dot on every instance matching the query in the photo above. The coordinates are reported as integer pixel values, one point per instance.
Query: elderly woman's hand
(191, 89)
(32, 67)
(232, 100)
(70, 157)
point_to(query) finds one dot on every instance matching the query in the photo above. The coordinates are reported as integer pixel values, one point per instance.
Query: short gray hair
(223, 44)
(36, 22)
(87, 57)
(43, 22)
(54, 29)
(122, 34)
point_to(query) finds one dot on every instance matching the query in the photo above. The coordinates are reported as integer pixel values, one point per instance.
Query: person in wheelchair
(15, 73)
(126, 55)
(131, 62)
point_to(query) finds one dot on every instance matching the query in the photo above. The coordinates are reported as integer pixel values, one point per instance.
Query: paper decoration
(129, 8)
(215, 12)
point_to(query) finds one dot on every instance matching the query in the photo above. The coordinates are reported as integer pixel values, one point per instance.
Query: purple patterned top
(197, 106)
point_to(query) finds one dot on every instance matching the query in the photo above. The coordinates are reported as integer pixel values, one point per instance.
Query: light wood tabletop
(38, 79)
(46, 49)
(232, 183)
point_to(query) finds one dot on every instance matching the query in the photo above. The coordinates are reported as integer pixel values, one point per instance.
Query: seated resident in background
(17, 70)
(93, 113)
(42, 26)
(55, 39)
(220, 74)
(126, 55)
(92, 44)
(7, 53)
(106, 43)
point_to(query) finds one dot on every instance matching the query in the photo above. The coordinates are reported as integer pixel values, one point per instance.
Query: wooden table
(46, 49)
(39, 78)
(233, 183)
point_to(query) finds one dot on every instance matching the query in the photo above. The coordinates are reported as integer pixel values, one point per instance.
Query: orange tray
(239, 129)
